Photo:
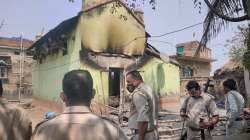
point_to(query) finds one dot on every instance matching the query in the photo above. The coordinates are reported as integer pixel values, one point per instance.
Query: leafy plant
(238, 44)
(246, 60)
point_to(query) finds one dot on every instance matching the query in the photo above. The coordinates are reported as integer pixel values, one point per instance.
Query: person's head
(77, 88)
(1, 88)
(211, 88)
(133, 79)
(193, 88)
(229, 84)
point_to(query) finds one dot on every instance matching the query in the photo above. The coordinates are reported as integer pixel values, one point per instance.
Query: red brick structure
(193, 68)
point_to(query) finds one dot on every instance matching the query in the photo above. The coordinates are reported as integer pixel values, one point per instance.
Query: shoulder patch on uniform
(141, 93)
(42, 122)
(37, 126)
(46, 120)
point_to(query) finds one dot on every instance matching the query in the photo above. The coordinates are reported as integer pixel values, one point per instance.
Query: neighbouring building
(107, 39)
(193, 68)
(233, 70)
(15, 65)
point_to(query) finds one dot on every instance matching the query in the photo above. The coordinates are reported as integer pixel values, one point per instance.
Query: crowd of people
(199, 112)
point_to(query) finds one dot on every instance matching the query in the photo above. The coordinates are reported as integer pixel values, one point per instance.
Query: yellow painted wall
(99, 30)
(118, 32)
(101, 84)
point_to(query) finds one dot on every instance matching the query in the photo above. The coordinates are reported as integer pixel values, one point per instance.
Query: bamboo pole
(20, 68)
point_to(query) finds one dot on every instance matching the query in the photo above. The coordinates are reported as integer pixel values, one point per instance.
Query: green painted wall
(47, 76)
(101, 84)
(163, 77)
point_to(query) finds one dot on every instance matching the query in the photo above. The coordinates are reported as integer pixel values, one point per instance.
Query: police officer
(77, 122)
(14, 123)
(200, 112)
(234, 106)
(143, 110)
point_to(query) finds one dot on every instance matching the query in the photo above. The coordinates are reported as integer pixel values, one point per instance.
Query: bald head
(78, 87)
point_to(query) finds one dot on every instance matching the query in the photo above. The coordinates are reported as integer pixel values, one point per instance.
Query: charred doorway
(115, 82)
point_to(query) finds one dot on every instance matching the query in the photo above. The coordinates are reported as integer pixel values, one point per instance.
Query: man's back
(235, 101)
(14, 124)
(77, 122)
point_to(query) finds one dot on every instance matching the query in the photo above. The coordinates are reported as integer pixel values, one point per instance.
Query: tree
(220, 13)
(238, 44)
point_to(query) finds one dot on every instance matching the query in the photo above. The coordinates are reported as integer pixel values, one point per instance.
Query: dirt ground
(39, 108)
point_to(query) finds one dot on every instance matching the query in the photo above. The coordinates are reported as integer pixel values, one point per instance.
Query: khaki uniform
(202, 107)
(234, 106)
(14, 124)
(78, 123)
(144, 108)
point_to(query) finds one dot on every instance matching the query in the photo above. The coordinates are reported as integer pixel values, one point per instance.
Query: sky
(31, 17)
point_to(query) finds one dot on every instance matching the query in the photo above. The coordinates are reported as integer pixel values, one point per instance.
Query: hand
(206, 125)
(246, 110)
(183, 115)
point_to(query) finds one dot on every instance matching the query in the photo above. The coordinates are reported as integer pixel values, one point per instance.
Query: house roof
(191, 44)
(191, 58)
(61, 31)
(58, 33)
(151, 50)
(231, 68)
(132, 12)
(15, 42)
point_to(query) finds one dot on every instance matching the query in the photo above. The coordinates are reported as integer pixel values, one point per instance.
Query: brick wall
(11, 49)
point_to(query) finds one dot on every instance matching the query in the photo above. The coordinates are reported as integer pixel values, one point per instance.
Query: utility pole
(20, 68)
(247, 70)
(1, 25)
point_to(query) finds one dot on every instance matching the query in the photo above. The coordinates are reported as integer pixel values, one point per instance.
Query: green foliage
(246, 60)
(238, 44)
(236, 53)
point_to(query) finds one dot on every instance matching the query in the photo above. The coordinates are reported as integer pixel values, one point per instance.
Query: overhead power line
(160, 41)
(165, 34)
(178, 30)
